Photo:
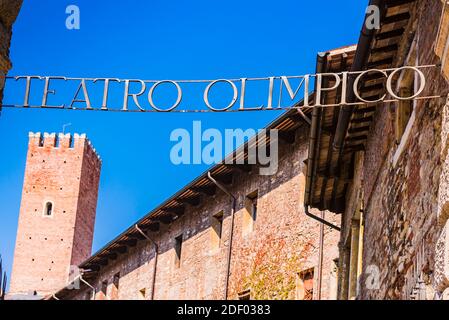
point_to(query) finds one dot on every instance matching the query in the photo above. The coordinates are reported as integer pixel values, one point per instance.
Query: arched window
(48, 210)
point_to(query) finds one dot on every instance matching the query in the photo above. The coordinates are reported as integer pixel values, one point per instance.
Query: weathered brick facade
(57, 212)
(282, 238)
(8, 13)
(404, 188)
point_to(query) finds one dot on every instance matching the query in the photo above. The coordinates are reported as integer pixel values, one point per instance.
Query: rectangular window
(48, 210)
(178, 249)
(143, 293)
(304, 286)
(245, 295)
(217, 229)
(104, 289)
(115, 286)
(250, 215)
(333, 280)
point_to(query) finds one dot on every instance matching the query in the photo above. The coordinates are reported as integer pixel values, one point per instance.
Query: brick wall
(8, 13)
(202, 271)
(403, 200)
(46, 246)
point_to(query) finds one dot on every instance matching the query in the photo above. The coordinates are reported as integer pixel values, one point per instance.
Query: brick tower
(57, 212)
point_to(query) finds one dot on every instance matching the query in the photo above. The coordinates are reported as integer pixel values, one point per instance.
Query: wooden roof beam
(357, 138)
(287, 136)
(396, 18)
(193, 201)
(390, 34)
(153, 226)
(224, 178)
(111, 256)
(385, 49)
(136, 236)
(359, 129)
(364, 110)
(396, 3)
(91, 268)
(120, 249)
(354, 148)
(128, 242)
(206, 190)
(386, 61)
(244, 168)
(179, 211)
(333, 176)
(167, 219)
(102, 262)
(362, 120)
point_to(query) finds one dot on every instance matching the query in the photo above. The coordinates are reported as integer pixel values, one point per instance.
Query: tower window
(48, 209)
(178, 249)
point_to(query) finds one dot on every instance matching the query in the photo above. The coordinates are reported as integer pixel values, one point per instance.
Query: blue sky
(195, 39)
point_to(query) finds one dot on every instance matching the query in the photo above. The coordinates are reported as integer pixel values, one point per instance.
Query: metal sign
(279, 93)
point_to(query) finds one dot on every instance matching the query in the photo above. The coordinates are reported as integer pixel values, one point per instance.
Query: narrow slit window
(115, 286)
(305, 285)
(104, 288)
(48, 210)
(404, 107)
(217, 229)
(178, 250)
(254, 208)
(250, 215)
(252, 199)
(143, 293)
(245, 295)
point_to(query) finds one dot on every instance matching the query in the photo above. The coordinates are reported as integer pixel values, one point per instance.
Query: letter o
(356, 85)
(422, 83)
(206, 94)
(178, 100)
